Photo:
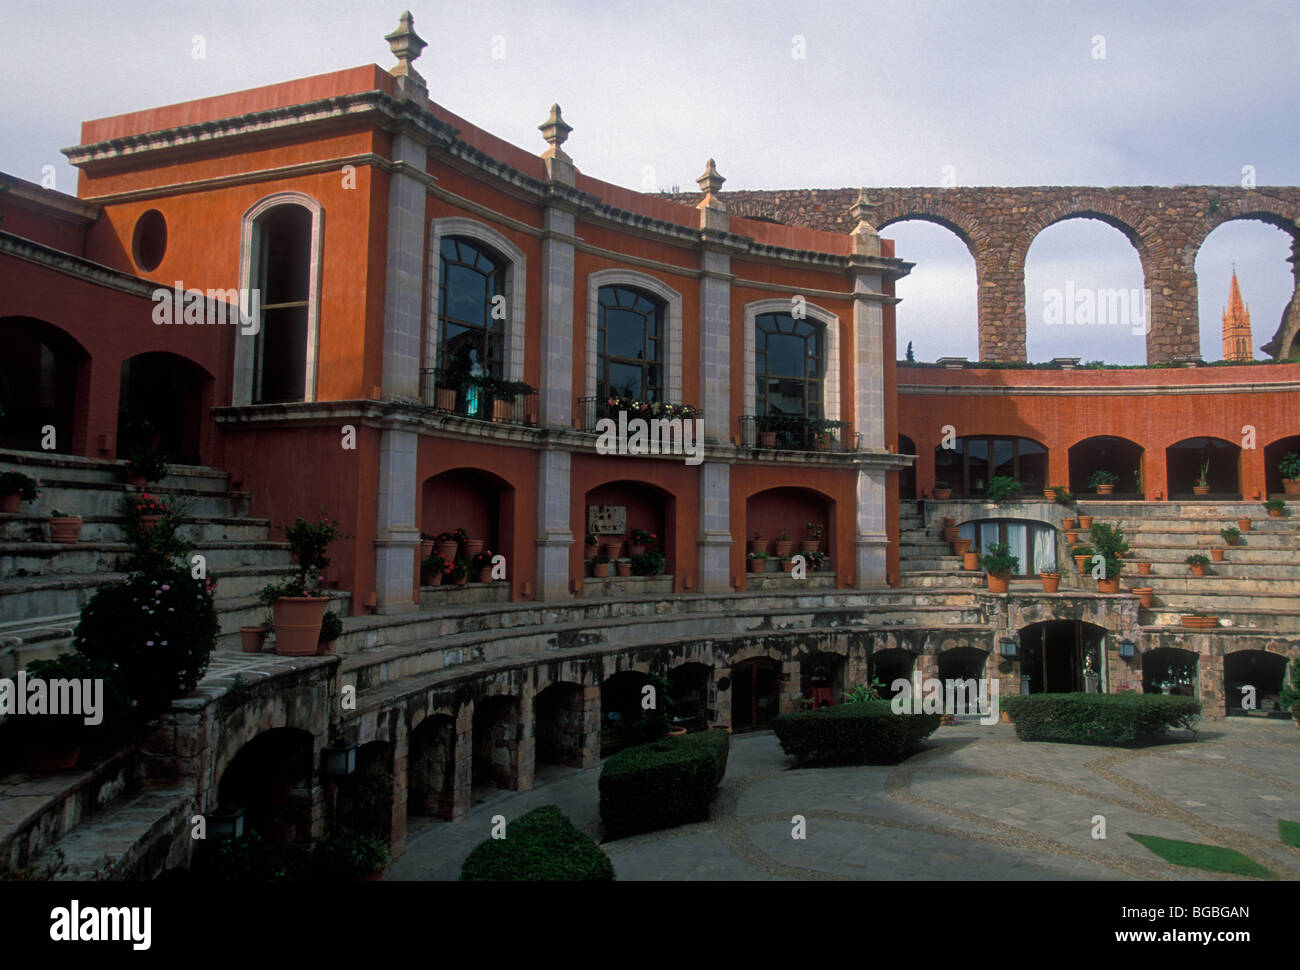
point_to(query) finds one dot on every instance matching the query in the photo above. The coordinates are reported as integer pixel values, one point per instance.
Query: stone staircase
(44, 584)
(925, 560)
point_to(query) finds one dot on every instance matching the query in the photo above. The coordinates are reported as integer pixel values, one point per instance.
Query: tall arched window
(789, 364)
(283, 276)
(471, 320)
(629, 345)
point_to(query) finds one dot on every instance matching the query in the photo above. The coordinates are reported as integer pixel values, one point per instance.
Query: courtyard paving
(976, 803)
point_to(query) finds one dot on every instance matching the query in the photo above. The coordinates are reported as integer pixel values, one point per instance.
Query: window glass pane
(285, 254)
(1018, 539)
(1044, 549)
(624, 379)
(1003, 458)
(624, 334)
(785, 356)
(282, 355)
(465, 295)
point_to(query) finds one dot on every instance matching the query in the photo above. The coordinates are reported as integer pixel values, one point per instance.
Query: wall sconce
(340, 760)
(1009, 646)
(226, 823)
(1126, 648)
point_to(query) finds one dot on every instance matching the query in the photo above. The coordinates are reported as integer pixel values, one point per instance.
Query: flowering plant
(481, 560)
(640, 537)
(24, 485)
(148, 505)
(651, 409)
(814, 530)
(436, 563)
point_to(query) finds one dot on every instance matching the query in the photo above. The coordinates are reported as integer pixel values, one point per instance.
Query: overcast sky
(883, 94)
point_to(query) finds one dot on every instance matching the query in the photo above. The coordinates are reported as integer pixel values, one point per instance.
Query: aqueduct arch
(997, 224)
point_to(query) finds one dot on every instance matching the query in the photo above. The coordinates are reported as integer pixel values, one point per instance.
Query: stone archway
(1259, 669)
(756, 687)
(44, 377)
(1170, 670)
(431, 768)
(561, 732)
(272, 777)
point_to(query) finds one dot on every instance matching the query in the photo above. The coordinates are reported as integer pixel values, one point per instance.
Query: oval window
(149, 242)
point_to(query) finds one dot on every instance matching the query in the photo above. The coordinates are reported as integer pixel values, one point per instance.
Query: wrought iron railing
(588, 411)
(482, 398)
(787, 432)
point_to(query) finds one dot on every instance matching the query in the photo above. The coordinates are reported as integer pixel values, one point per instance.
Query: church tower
(1236, 325)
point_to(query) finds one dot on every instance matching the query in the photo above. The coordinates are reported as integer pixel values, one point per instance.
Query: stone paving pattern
(976, 803)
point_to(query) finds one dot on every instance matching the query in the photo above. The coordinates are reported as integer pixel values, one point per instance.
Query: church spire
(1236, 324)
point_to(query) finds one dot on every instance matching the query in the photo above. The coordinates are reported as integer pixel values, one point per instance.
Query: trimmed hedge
(1110, 719)
(859, 733)
(541, 846)
(662, 784)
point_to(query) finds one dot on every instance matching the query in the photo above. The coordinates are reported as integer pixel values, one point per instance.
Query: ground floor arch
(822, 678)
(962, 663)
(1170, 670)
(1258, 669)
(44, 377)
(161, 406)
(1273, 455)
(756, 686)
(498, 730)
(890, 665)
(271, 777)
(1061, 657)
(689, 686)
(431, 768)
(560, 731)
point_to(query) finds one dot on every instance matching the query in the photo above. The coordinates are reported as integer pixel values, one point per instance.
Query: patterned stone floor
(975, 804)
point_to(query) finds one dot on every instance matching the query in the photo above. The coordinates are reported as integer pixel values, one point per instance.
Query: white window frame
(830, 380)
(672, 300)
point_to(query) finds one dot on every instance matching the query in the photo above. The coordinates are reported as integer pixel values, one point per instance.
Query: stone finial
(406, 45)
(863, 212)
(556, 132)
(710, 182)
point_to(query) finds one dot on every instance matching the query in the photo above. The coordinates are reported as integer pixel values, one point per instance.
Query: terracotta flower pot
(1291, 486)
(473, 547)
(1198, 570)
(970, 561)
(1200, 489)
(1233, 540)
(485, 575)
(1216, 555)
(1244, 525)
(783, 547)
(139, 481)
(1048, 493)
(148, 522)
(43, 757)
(624, 569)
(426, 547)
(1105, 489)
(612, 549)
(1201, 622)
(1144, 594)
(787, 565)
(1071, 538)
(942, 494)
(999, 582)
(1068, 524)
(949, 521)
(959, 546)
(676, 732)
(757, 565)
(324, 647)
(1108, 585)
(1082, 563)
(767, 439)
(1004, 717)
(1085, 522)
(430, 577)
(1051, 582)
(297, 624)
(757, 545)
(599, 570)
(810, 545)
(1144, 568)
(636, 549)
(447, 550)
(9, 502)
(1275, 513)
(461, 580)
(252, 638)
(950, 533)
(65, 528)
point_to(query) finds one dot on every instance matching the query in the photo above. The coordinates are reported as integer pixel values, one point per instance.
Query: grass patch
(1211, 858)
(1290, 832)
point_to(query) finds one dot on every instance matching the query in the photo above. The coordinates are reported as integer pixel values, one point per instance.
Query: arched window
(283, 276)
(789, 365)
(471, 320)
(975, 460)
(1033, 543)
(629, 345)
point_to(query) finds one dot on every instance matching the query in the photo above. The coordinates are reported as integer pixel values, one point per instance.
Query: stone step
(950, 579)
(1225, 602)
(1166, 543)
(1230, 568)
(61, 559)
(29, 528)
(37, 809)
(133, 838)
(937, 564)
(73, 468)
(1213, 584)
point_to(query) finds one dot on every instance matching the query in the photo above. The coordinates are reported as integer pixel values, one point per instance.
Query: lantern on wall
(1009, 646)
(340, 760)
(1126, 649)
(225, 823)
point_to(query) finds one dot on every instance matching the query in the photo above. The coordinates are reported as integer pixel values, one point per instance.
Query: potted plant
(300, 606)
(447, 544)
(352, 856)
(1085, 522)
(591, 545)
(970, 561)
(1144, 594)
(767, 426)
(472, 546)
(1202, 484)
(1200, 620)
(758, 544)
(1216, 555)
(144, 467)
(1144, 568)
(432, 569)
(951, 533)
(331, 628)
(1071, 537)
(459, 572)
(757, 562)
(960, 545)
(1062, 496)
(149, 511)
(1002, 488)
(613, 548)
(1290, 469)
(1069, 523)
(1198, 563)
(480, 566)
(1276, 507)
(1113, 566)
(1082, 554)
(1103, 481)
(1051, 581)
(624, 567)
(16, 488)
(1244, 524)
(817, 560)
(941, 491)
(998, 565)
(641, 539)
(783, 545)
(599, 565)
(787, 564)
(814, 540)
(1231, 535)
(253, 638)
(64, 527)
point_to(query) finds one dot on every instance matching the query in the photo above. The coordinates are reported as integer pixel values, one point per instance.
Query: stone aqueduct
(1165, 225)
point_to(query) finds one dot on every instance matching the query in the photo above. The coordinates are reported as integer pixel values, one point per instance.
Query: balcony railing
(481, 398)
(789, 432)
(588, 411)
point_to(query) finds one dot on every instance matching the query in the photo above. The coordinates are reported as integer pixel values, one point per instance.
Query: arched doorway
(1170, 670)
(646, 507)
(559, 732)
(688, 685)
(821, 678)
(620, 708)
(481, 503)
(496, 742)
(431, 768)
(890, 665)
(1273, 454)
(42, 381)
(160, 407)
(1265, 672)
(799, 512)
(757, 687)
(1119, 456)
(1061, 657)
(271, 777)
(1220, 459)
(365, 798)
(907, 477)
(962, 663)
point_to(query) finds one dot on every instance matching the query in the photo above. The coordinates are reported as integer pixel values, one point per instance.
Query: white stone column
(396, 535)
(715, 346)
(555, 396)
(872, 537)
(715, 527)
(869, 360)
(404, 276)
(553, 534)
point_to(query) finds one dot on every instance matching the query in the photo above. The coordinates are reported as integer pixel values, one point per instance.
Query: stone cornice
(1107, 391)
(29, 195)
(75, 266)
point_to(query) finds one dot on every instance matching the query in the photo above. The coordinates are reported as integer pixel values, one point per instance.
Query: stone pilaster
(553, 535)
(714, 543)
(590, 757)
(463, 763)
(722, 703)
(555, 397)
(397, 540)
(715, 345)
(872, 537)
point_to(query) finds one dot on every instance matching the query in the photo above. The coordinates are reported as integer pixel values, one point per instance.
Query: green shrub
(542, 846)
(863, 732)
(1111, 719)
(1290, 465)
(662, 784)
(1002, 488)
(352, 855)
(1102, 477)
(1063, 496)
(998, 560)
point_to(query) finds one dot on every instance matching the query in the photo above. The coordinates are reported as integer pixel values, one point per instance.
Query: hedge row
(541, 846)
(1099, 718)
(662, 784)
(866, 732)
